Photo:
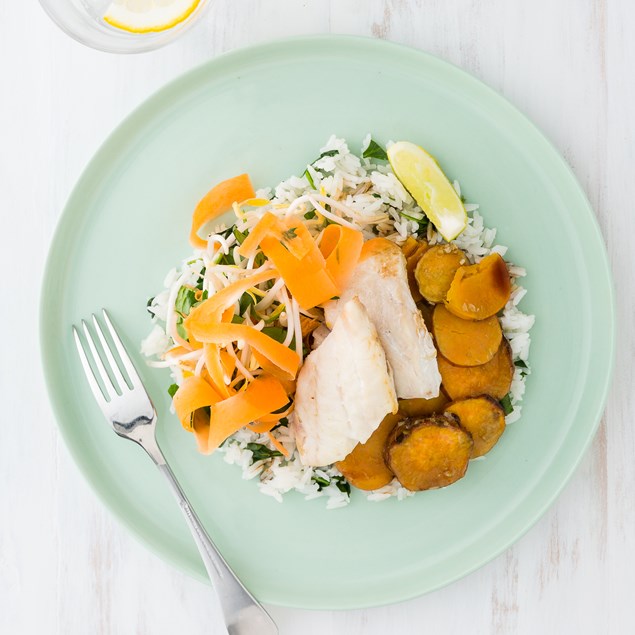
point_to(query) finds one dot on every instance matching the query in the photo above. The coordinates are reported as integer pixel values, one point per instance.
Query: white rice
(371, 190)
(156, 343)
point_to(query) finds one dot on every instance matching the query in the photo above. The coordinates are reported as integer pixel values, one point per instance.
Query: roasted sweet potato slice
(426, 310)
(493, 378)
(365, 467)
(429, 453)
(411, 264)
(465, 342)
(483, 417)
(481, 290)
(409, 246)
(436, 270)
(423, 407)
(413, 249)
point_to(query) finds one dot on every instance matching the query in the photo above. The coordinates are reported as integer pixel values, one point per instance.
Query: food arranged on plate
(354, 326)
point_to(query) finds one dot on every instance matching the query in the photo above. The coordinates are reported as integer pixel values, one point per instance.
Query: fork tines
(113, 381)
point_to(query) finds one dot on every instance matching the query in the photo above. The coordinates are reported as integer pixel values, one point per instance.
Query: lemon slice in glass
(148, 16)
(423, 178)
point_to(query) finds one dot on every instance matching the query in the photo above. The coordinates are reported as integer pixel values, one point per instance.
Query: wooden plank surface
(66, 567)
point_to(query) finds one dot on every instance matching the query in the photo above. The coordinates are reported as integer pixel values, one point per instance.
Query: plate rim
(173, 88)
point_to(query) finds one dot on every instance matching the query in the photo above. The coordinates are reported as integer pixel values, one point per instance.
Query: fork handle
(243, 613)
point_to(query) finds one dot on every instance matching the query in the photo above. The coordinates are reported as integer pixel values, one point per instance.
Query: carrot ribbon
(223, 334)
(261, 397)
(218, 201)
(313, 275)
(341, 247)
(194, 393)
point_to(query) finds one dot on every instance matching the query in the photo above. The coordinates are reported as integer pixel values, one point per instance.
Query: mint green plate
(266, 110)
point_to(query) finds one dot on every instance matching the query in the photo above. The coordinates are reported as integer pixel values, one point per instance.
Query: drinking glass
(82, 20)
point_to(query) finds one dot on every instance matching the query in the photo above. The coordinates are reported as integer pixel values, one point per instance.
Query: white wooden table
(66, 566)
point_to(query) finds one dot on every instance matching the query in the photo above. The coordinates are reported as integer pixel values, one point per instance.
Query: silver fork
(128, 408)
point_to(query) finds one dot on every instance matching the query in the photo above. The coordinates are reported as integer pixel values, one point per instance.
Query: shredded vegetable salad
(236, 320)
(239, 315)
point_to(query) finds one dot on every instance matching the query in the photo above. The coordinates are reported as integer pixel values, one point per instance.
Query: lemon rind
(155, 28)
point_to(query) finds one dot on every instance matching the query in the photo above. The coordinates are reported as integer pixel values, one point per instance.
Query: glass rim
(123, 42)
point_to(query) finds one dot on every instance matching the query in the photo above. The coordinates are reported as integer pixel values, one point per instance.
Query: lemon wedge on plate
(148, 16)
(421, 175)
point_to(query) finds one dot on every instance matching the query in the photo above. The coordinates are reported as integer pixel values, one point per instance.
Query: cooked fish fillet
(380, 282)
(344, 390)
